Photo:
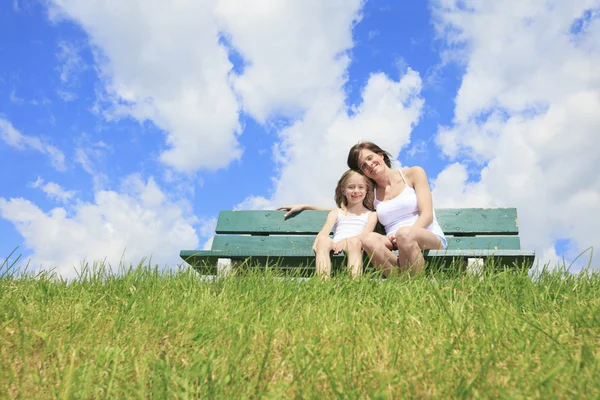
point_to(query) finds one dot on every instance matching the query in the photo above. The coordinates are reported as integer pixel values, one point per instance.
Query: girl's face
(371, 163)
(355, 189)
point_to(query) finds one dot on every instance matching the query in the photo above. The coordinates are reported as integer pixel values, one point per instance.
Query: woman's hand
(296, 208)
(392, 239)
(293, 209)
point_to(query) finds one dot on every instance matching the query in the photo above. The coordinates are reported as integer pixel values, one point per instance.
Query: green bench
(263, 238)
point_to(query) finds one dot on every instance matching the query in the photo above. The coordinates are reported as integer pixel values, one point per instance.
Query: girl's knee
(323, 244)
(354, 243)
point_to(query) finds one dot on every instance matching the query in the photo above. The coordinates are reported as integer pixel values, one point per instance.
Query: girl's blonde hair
(341, 200)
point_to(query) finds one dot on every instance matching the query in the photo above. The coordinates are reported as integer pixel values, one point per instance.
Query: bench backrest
(466, 228)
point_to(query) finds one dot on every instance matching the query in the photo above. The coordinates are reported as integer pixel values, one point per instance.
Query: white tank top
(401, 211)
(348, 226)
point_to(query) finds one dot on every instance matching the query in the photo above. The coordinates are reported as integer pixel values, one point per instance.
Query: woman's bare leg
(411, 241)
(323, 248)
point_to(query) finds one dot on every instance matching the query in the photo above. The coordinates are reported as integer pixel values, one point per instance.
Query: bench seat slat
(454, 221)
(306, 257)
(243, 243)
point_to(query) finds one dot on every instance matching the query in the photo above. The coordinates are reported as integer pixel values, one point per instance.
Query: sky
(127, 125)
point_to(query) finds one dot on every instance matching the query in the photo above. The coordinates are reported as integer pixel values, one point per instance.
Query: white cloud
(91, 157)
(313, 151)
(207, 227)
(528, 112)
(254, 203)
(373, 33)
(15, 99)
(419, 148)
(294, 50)
(66, 95)
(53, 190)
(163, 63)
(71, 63)
(168, 65)
(140, 221)
(207, 230)
(296, 63)
(19, 141)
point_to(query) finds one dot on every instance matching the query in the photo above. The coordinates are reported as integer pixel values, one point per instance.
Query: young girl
(353, 218)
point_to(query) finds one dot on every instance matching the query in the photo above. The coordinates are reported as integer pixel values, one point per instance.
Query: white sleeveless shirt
(348, 226)
(403, 210)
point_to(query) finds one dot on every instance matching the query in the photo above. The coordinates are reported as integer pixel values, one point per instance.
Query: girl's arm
(370, 226)
(424, 203)
(296, 208)
(327, 226)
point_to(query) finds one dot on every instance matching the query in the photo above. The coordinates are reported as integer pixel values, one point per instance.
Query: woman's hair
(354, 153)
(341, 200)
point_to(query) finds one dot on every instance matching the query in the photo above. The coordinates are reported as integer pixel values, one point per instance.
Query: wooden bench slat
(454, 221)
(478, 221)
(243, 243)
(294, 258)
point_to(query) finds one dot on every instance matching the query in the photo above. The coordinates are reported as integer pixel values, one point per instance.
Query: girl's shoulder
(336, 212)
(345, 213)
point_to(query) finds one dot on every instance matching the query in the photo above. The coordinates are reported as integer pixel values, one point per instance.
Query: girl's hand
(339, 246)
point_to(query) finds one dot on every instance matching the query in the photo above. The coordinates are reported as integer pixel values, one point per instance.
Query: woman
(404, 207)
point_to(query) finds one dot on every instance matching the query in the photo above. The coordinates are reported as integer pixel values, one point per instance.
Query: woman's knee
(405, 239)
(370, 241)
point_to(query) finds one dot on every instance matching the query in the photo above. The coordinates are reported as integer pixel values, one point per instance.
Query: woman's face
(371, 163)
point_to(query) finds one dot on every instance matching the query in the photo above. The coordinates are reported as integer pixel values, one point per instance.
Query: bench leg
(475, 266)
(225, 266)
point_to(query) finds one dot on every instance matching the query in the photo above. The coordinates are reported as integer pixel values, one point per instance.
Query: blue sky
(126, 126)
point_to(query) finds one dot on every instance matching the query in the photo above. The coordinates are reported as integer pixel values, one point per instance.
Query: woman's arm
(296, 208)
(418, 178)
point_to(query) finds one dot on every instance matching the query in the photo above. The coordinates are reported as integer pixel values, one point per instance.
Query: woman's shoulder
(412, 173)
(412, 170)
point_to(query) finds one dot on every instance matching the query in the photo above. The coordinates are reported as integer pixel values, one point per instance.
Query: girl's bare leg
(323, 248)
(379, 248)
(355, 257)
(411, 241)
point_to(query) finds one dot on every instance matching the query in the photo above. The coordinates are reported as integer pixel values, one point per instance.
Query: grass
(151, 334)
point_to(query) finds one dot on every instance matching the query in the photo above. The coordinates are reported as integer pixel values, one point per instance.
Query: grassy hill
(147, 333)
